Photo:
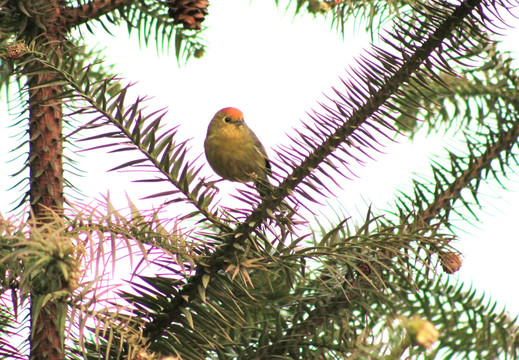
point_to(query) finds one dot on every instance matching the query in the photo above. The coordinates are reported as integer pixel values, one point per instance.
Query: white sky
(275, 68)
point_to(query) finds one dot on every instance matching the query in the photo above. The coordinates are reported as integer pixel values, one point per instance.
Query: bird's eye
(227, 119)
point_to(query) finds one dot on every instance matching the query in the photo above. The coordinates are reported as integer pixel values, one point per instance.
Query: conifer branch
(90, 11)
(344, 297)
(403, 70)
(378, 98)
(444, 201)
(162, 151)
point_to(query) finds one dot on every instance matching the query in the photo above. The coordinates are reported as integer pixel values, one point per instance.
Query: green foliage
(151, 22)
(257, 281)
(370, 15)
(8, 327)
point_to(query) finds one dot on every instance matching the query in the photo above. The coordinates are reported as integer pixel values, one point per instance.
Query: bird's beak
(239, 122)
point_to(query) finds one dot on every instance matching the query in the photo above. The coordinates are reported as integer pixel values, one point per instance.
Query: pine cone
(451, 262)
(189, 13)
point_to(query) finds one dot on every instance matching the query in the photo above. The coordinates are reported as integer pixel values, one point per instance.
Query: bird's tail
(263, 186)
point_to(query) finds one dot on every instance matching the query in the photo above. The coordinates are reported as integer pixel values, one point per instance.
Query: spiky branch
(400, 71)
(444, 201)
(44, 25)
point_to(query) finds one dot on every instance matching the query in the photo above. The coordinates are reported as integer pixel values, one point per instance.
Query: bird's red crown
(233, 112)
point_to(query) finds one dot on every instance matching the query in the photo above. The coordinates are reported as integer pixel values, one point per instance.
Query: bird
(234, 152)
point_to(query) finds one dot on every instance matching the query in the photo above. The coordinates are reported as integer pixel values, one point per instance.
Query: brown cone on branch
(451, 262)
(189, 13)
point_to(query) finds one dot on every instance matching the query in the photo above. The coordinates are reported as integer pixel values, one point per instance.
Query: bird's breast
(234, 157)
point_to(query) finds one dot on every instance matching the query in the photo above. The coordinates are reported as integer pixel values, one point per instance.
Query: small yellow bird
(234, 152)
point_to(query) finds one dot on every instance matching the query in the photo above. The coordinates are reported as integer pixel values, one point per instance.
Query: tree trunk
(46, 171)
(46, 192)
(46, 148)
